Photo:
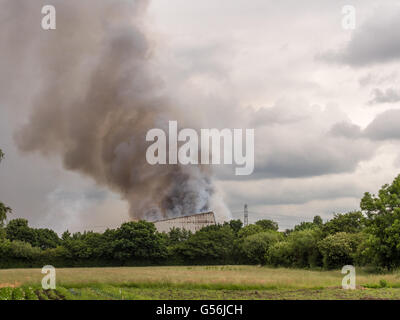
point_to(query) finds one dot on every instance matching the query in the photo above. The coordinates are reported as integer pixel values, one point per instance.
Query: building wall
(193, 222)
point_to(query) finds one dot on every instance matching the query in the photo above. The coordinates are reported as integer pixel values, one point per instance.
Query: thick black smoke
(97, 96)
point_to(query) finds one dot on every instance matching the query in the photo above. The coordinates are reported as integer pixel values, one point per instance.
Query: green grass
(196, 282)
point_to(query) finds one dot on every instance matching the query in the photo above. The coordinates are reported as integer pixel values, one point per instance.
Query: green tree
(236, 225)
(318, 221)
(4, 210)
(299, 249)
(138, 240)
(66, 235)
(351, 222)
(249, 230)
(280, 254)
(46, 239)
(339, 249)
(18, 229)
(256, 246)
(177, 235)
(383, 225)
(212, 244)
(304, 226)
(267, 224)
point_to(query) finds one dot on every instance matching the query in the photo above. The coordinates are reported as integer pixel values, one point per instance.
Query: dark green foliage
(66, 235)
(213, 244)
(280, 254)
(18, 229)
(318, 221)
(249, 230)
(46, 238)
(304, 226)
(236, 225)
(4, 210)
(370, 237)
(177, 235)
(339, 249)
(299, 249)
(352, 222)
(138, 240)
(18, 250)
(255, 247)
(383, 225)
(266, 225)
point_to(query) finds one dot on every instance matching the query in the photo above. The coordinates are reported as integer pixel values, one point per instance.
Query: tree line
(368, 237)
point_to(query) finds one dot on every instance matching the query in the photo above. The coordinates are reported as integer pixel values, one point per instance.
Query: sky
(323, 100)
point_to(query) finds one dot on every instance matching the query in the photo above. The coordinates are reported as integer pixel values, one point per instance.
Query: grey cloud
(314, 159)
(385, 126)
(389, 95)
(313, 143)
(206, 59)
(346, 129)
(376, 41)
(285, 192)
(280, 113)
(377, 79)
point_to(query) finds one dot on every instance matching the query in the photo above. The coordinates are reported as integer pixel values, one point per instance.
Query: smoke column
(96, 96)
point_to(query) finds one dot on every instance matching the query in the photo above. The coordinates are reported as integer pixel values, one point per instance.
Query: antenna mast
(246, 216)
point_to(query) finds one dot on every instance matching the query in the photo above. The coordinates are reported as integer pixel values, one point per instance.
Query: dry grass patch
(231, 277)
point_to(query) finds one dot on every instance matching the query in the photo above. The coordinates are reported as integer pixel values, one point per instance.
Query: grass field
(199, 282)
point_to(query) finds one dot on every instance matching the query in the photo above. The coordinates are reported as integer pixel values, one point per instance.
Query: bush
(280, 254)
(19, 249)
(300, 249)
(256, 246)
(339, 249)
(383, 283)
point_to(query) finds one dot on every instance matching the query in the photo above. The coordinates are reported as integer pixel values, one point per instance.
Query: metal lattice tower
(246, 216)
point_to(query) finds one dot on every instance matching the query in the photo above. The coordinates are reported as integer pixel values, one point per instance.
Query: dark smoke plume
(97, 96)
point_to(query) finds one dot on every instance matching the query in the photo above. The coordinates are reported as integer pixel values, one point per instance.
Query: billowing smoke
(97, 95)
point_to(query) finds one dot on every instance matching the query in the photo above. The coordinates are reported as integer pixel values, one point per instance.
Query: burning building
(192, 222)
